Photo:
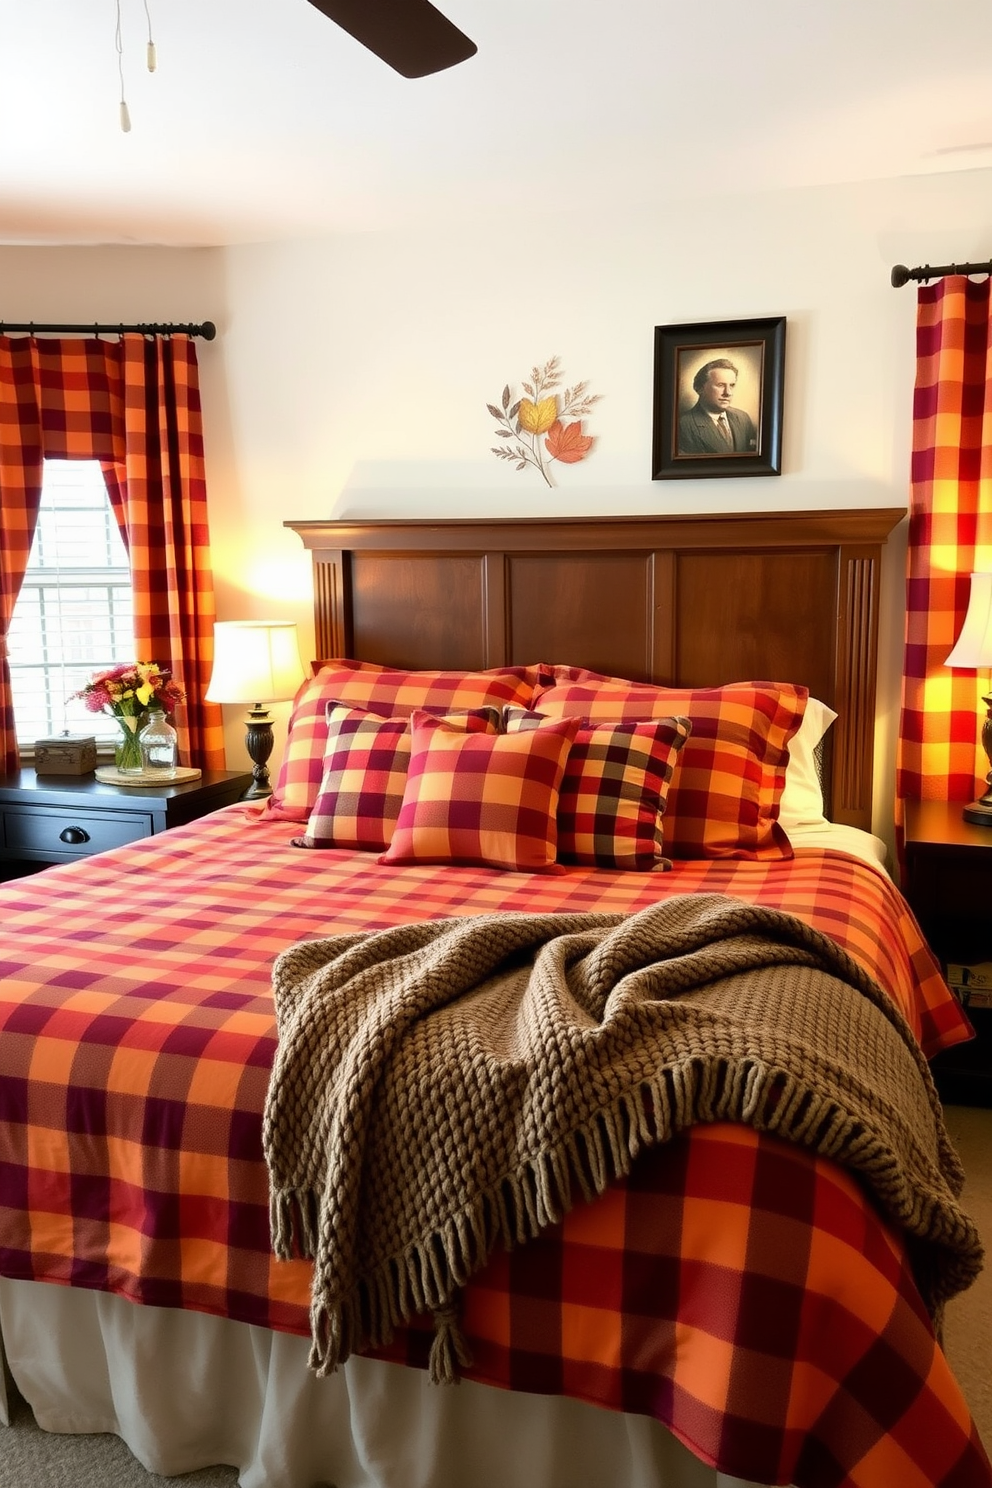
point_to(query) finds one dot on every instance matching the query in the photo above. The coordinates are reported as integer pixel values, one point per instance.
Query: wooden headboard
(681, 600)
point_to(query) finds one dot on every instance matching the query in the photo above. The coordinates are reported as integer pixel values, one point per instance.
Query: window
(73, 615)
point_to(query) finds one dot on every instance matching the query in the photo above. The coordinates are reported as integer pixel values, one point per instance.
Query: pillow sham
(802, 798)
(724, 800)
(482, 799)
(614, 790)
(389, 691)
(365, 769)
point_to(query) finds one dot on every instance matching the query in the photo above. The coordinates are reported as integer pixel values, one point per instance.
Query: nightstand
(949, 888)
(55, 818)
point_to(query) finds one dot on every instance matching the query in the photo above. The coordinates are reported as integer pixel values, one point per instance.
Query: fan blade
(412, 36)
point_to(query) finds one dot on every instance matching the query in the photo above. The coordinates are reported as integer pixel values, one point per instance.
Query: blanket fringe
(293, 1224)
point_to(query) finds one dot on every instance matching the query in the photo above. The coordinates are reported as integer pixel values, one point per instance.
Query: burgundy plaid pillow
(391, 693)
(724, 801)
(365, 770)
(479, 798)
(614, 790)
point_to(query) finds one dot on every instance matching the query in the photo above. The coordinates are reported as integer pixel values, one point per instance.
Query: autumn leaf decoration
(537, 428)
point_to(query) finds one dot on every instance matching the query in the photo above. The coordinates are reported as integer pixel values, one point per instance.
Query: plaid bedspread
(740, 1290)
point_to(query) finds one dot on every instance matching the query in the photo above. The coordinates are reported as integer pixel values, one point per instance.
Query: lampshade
(974, 644)
(974, 649)
(255, 661)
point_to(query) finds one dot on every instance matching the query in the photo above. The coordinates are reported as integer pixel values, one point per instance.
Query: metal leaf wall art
(545, 425)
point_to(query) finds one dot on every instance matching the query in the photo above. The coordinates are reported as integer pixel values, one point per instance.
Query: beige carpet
(968, 1324)
(30, 1458)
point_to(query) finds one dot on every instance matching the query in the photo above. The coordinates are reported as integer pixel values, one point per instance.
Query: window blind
(74, 613)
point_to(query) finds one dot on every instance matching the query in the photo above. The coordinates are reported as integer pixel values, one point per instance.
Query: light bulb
(125, 118)
(150, 56)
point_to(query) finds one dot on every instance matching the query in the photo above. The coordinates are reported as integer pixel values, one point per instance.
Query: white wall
(351, 375)
(133, 285)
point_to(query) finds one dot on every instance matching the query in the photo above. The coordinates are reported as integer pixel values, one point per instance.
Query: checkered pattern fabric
(724, 799)
(614, 790)
(365, 769)
(133, 404)
(472, 798)
(950, 535)
(21, 456)
(724, 1316)
(378, 689)
(741, 1291)
(159, 495)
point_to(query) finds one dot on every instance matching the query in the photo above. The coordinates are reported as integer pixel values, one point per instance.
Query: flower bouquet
(126, 693)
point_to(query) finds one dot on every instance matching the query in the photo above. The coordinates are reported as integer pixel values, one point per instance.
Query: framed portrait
(718, 398)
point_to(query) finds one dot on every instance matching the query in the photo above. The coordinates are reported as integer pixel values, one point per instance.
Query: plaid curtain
(950, 535)
(20, 497)
(134, 405)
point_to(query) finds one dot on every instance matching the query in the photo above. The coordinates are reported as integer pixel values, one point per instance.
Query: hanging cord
(150, 57)
(119, 44)
(151, 60)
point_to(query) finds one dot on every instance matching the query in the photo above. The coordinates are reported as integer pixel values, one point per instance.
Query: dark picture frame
(686, 444)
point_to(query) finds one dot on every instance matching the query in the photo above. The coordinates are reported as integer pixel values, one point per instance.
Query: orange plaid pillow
(724, 800)
(365, 769)
(476, 798)
(614, 790)
(388, 691)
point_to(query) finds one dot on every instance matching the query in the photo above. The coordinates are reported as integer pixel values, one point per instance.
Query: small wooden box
(64, 756)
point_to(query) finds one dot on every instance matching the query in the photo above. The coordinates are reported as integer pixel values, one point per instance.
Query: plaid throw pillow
(384, 690)
(475, 798)
(365, 769)
(614, 790)
(724, 800)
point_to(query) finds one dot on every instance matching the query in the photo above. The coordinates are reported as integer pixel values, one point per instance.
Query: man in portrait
(712, 426)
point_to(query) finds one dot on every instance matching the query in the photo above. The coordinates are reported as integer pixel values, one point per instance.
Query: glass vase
(127, 750)
(159, 746)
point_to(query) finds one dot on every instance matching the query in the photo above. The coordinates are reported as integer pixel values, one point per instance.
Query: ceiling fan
(412, 36)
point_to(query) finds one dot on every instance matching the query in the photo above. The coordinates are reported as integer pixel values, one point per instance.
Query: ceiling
(264, 120)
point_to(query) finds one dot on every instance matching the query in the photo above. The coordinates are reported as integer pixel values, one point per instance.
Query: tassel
(449, 1351)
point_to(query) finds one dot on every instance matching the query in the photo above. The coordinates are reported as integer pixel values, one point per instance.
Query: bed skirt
(187, 1391)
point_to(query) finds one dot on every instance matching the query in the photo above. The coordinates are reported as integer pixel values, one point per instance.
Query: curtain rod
(901, 275)
(207, 330)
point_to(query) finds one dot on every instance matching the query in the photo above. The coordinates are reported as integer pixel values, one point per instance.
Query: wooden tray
(110, 775)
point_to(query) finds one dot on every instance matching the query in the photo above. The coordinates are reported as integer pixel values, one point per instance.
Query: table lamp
(974, 649)
(256, 662)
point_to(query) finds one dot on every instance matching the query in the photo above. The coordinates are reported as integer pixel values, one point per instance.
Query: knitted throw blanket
(443, 1088)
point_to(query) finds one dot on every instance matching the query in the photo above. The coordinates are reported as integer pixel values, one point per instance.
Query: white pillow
(802, 798)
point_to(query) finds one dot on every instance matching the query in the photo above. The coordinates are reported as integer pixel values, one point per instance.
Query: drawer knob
(73, 836)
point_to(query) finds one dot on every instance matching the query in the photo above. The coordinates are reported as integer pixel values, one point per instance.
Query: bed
(735, 1304)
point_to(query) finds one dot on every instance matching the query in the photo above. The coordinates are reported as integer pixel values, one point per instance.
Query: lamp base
(980, 811)
(258, 742)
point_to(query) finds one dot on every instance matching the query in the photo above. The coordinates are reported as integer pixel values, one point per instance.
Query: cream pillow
(802, 798)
